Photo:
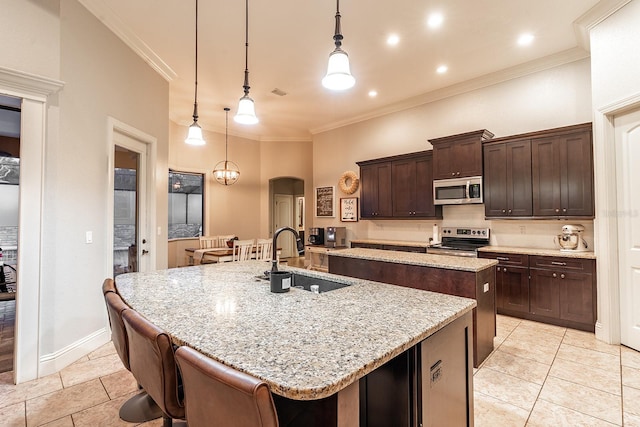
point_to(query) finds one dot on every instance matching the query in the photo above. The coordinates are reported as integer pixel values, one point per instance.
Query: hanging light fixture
(226, 172)
(194, 137)
(246, 114)
(338, 73)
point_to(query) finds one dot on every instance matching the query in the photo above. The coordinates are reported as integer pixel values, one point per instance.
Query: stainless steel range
(460, 241)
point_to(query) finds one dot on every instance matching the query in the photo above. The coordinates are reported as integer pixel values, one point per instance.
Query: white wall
(552, 98)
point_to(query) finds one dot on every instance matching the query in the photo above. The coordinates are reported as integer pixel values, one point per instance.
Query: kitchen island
(316, 351)
(463, 276)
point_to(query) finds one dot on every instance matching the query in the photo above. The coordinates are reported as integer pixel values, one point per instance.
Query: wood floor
(7, 322)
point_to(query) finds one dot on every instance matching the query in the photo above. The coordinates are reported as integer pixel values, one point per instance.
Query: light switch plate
(486, 287)
(89, 237)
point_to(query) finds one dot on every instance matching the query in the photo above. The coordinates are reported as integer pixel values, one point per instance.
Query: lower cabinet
(557, 290)
(390, 247)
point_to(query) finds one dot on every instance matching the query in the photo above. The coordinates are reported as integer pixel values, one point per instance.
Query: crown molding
(521, 70)
(38, 87)
(106, 15)
(598, 13)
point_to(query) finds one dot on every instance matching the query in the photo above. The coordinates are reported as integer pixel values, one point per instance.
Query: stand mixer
(571, 238)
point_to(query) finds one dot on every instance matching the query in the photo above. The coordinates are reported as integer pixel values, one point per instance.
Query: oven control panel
(465, 232)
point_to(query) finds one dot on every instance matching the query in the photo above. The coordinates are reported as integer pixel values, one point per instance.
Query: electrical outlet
(523, 229)
(486, 287)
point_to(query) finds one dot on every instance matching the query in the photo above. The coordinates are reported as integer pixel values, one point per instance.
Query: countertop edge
(538, 251)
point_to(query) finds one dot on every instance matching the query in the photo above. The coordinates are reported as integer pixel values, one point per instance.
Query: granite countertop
(392, 242)
(543, 252)
(305, 346)
(427, 260)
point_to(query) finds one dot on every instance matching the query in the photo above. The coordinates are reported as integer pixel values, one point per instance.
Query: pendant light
(226, 172)
(338, 73)
(194, 137)
(246, 114)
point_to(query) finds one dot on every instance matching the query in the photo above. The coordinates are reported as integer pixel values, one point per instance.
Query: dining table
(196, 256)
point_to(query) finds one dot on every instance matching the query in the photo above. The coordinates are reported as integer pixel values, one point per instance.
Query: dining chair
(222, 240)
(218, 395)
(263, 249)
(153, 364)
(208, 242)
(141, 407)
(242, 250)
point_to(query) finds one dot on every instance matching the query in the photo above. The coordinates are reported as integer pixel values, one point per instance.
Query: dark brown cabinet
(507, 179)
(398, 187)
(375, 190)
(390, 247)
(562, 168)
(512, 282)
(459, 155)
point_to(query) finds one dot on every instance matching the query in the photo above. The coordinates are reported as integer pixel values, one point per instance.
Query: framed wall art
(325, 201)
(349, 209)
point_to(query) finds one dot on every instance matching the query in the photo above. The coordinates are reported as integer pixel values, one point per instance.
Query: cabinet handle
(557, 210)
(502, 258)
(562, 276)
(498, 268)
(453, 174)
(554, 275)
(564, 209)
(558, 263)
(457, 173)
(504, 210)
(509, 210)
(504, 270)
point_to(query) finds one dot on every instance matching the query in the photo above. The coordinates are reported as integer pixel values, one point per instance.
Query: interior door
(627, 146)
(130, 225)
(283, 217)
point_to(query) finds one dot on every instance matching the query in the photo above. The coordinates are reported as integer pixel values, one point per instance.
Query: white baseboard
(54, 362)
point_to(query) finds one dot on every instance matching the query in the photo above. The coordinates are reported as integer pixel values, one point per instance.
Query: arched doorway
(287, 205)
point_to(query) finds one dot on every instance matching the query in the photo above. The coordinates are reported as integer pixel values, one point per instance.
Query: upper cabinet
(546, 174)
(398, 187)
(460, 155)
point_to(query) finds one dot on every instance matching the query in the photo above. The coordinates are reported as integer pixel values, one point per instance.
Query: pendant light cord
(246, 49)
(338, 34)
(226, 135)
(195, 102)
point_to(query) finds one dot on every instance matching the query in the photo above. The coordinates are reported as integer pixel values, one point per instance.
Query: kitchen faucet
(274, 254)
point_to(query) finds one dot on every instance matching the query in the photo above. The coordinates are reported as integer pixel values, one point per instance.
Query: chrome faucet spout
(274, 252)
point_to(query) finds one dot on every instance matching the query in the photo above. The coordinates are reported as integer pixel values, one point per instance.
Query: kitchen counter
(305, 346)
(424, 260)
(391, 242)
(542, 252)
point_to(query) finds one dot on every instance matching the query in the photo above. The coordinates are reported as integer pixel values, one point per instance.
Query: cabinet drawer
(562, 263)
(520, 260)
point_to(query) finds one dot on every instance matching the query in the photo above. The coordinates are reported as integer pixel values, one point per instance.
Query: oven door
(457, 191)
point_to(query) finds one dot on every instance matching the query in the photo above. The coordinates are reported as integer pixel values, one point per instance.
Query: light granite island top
(447, 262)
(306, 346)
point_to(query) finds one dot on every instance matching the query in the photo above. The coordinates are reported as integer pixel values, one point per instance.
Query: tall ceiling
(290, 41)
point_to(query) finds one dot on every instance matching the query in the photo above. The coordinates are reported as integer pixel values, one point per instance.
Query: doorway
(287, 210)
(627, 148)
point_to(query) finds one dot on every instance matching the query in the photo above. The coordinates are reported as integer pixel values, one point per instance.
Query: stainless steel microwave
(457, 191)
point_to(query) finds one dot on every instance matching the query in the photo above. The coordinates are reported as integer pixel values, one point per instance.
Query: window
(186, 207)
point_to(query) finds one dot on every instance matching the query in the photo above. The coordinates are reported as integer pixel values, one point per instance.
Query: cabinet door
(577, 176)
(546, 170)
(467, 157)
(403, 173)
(443, 163)
(544, 293)
(424, 206)
(515, 289)
(577, 298)
(375, 190)
(495, 180)
(518, 178)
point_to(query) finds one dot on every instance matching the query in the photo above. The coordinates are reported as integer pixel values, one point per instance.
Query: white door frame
(606, 221)
(146, 189)
(287, 240)
(34, 91)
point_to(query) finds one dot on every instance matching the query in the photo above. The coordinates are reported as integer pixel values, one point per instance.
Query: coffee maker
(571, 238)
(316, 236)
(336, 237)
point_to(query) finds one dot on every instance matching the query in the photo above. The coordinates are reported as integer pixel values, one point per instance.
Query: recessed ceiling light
(525, 39)
(373, 93)
(393, 39)
(435, 20)
(442, 69)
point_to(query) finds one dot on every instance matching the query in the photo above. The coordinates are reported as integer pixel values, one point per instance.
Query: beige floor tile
(547, 414)
(490, 412)
(542, 328)
(630, 357)
(527, 345)
(588, 340)
(507, 388)
(65, 402)
(119, 383)
(13, 415)
(631, 400)
(589, 376)
(90, 369)
(12, 393)
(583, 399)
(105, 350)
(588, 357)
(631, 377)
(62, 422)
(104, 414)
(506, 323)
(631, 420)
(526, 369)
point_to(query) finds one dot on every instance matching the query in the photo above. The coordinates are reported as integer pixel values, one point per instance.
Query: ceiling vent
(278, 92)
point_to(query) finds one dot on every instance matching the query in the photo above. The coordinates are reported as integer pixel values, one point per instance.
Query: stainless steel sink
(302, 281)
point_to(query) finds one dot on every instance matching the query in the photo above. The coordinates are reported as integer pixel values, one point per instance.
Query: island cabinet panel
(479, 286)
(375, 190)
(507, 179)
(458, 156)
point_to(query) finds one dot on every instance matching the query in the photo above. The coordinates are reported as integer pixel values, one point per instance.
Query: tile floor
(539, 375)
